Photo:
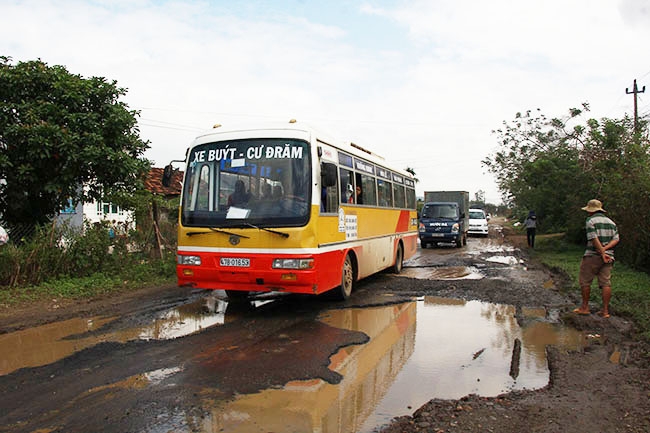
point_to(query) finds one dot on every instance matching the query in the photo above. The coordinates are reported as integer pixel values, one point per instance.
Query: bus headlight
(188, 260)
(293, 263)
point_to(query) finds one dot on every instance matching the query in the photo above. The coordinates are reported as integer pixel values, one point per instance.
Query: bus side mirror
(167, 175)
(328, 174)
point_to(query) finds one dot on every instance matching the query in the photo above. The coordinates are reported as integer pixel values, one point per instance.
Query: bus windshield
(238, 183)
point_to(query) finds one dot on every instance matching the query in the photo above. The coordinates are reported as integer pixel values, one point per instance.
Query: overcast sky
(422, 83)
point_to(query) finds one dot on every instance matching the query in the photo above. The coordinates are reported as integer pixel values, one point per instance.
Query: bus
(284, 207)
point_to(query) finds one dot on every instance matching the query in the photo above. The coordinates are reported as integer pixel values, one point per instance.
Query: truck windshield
(264, 182)
(445, 211)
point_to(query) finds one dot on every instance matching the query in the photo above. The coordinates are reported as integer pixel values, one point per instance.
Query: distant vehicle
(271, 208)
(444, 218)
(478, 222)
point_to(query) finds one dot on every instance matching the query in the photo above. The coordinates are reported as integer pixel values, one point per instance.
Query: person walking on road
(598, 259)
(531, 224)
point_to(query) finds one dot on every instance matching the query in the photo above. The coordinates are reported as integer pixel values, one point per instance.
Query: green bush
(56, 255)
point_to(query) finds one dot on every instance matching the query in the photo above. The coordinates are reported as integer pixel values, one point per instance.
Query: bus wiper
(212, 230)
(275, 232)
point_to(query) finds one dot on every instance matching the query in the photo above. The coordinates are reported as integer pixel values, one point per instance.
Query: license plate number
(437, 235)
(235, 261)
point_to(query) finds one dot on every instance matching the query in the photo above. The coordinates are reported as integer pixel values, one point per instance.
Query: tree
(536, 166)
(412, 171)
(479, 198)
(553, 168)
(59, 132)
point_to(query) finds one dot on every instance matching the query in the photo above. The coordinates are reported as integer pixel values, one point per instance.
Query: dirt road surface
(603, 388)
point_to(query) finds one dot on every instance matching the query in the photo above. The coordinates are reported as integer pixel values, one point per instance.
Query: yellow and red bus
(286, 208)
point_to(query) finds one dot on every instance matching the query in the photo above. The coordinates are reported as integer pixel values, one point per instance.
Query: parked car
(478, 223)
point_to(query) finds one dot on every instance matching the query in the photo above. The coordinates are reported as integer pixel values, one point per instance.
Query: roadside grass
(129, 277)
(630, 288)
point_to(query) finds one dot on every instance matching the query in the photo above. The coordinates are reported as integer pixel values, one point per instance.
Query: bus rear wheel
(399, 260)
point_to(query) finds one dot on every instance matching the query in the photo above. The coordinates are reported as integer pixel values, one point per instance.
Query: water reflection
(48, 343)
(506, 260)
(442, 273)
(314, 405)
(467, 347)
(457, 348)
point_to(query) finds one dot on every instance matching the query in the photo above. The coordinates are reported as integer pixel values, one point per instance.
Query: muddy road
(475, 339)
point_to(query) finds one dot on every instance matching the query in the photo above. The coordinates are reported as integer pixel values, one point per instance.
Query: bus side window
(368, 189)
(347, 186)
(329, 188)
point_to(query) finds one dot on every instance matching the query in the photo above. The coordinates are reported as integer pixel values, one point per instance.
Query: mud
(604, 387)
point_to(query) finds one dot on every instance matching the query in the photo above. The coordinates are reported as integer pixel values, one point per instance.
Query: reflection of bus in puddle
(317, 406)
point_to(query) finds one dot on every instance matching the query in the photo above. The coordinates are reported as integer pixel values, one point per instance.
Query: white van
(478, 224)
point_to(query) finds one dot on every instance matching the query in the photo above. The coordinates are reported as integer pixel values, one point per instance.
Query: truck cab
(442, 222)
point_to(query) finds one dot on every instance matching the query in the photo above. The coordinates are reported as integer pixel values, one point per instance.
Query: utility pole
(635, 91)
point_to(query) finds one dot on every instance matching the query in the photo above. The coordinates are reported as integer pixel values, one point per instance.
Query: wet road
(280, 363)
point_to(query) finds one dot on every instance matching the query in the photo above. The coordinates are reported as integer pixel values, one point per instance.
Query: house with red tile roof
(153, 183)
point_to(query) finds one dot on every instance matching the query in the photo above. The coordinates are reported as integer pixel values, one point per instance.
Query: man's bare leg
(584, 308)
(607, 295)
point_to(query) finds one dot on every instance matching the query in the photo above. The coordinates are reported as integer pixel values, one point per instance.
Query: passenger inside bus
(277, 192)
(267, 193)
(239, 196)
(359, 195)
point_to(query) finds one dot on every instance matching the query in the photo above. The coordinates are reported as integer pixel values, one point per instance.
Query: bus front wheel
(344, 291)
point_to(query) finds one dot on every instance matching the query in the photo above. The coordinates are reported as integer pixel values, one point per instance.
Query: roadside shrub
(59, 252)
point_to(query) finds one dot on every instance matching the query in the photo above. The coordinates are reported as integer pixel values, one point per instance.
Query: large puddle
(442, 273)
(433, 348)
(430, 348)
(45, 344)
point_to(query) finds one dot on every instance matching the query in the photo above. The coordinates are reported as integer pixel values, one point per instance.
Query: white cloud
(426, 95)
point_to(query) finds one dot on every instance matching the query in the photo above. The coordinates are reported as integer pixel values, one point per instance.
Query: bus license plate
(235, 261)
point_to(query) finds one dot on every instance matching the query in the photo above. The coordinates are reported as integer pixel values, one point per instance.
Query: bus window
(216, 168)
(384, 193)
(398, 193)
(329, 188)
(329, 199)
(410, 198)
(368, 191)
(347, 186)
(203, 189)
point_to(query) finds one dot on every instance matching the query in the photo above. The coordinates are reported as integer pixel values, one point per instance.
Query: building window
(70, 208)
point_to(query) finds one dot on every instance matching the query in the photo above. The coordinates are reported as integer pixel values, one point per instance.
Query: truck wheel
(399, 260)
(459, 242)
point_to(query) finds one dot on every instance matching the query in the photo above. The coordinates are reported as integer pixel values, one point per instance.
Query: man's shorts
(593, 266)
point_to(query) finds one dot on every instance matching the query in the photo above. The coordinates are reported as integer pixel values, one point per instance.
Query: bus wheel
(399, 260)
(344, 291)
(236, 295)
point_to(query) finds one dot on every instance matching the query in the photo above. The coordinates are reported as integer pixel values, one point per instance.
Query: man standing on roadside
(598, 260)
